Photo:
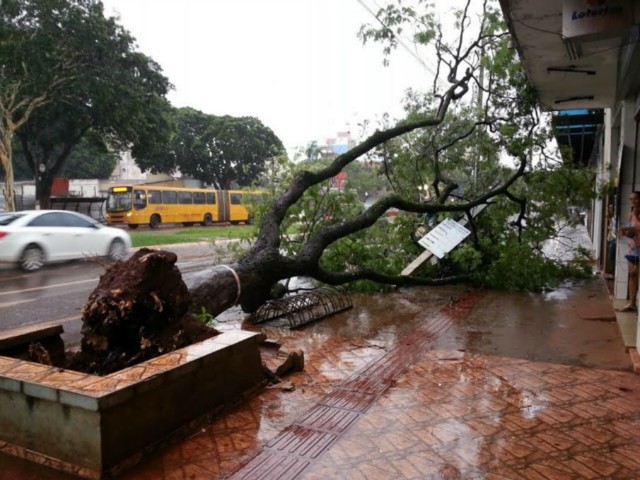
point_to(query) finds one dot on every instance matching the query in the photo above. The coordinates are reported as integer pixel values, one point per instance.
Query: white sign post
(444, 237)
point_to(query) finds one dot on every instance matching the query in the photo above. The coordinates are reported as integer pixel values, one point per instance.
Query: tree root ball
(139, 310)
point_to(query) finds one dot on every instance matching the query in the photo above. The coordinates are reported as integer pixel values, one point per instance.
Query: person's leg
(632, 288)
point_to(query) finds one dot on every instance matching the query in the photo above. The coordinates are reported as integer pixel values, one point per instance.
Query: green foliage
(318, 208)
(365, 179)
(466, 154)
(220, 151)
(386, 247)
(394, 20)
(516, 266)
(551, 193)
(205, 317)
(606, 190)
(89, 159)
(476, 148)
(321, 207)
(512, 258)
(312, 151)
(92, 79)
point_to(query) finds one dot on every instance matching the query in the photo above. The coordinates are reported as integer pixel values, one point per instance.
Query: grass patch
(151, 238)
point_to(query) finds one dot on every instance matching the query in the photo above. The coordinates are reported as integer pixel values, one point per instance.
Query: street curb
(187, 244)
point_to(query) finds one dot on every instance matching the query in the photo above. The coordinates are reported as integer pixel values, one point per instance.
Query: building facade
(583, 59)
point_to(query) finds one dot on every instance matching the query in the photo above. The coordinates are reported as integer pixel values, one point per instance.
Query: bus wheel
(155, 221)
(250, 219)
(133, 226)
(207, 220)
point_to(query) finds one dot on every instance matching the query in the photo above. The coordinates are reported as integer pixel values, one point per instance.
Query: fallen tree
(503, 113)
(444, 158)
(448, 134)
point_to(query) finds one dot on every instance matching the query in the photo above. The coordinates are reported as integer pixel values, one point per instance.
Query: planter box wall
(90, 425)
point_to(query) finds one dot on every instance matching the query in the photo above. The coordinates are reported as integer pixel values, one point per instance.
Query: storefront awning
(575, 131)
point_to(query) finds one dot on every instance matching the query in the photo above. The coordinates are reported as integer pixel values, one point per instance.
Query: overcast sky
(297, 65)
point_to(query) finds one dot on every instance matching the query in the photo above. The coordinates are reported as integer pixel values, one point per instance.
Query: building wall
(126, 169)
(626, 160)
(604, 223)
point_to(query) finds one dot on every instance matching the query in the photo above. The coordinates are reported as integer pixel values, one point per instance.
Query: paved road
(56, 294)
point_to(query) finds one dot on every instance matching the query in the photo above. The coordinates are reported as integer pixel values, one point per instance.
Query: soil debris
(39, 354)
(139, 310)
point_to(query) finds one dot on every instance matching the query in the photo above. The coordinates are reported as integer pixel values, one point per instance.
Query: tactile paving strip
(312, 434)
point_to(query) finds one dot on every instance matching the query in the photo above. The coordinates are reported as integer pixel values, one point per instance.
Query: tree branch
(269, 236)
(337, 278)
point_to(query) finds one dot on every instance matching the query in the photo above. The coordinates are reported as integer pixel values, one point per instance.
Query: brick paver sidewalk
(416, 385)
(430, 413)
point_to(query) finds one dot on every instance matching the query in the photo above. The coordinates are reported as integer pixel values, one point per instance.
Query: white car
(32, 238)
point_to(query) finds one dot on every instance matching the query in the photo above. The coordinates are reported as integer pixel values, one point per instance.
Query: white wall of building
(126, 169)
(84, 188)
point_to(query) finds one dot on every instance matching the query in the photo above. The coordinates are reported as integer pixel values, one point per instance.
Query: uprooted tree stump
(139, 310)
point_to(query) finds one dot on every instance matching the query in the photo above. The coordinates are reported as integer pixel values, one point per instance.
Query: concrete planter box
(91, 425)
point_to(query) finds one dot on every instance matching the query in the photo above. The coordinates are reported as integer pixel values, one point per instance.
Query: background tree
(365, 179)
(312, 151)
(95, 83)
(220, 151)
(25, 86)
(91, 158)
(468, 152)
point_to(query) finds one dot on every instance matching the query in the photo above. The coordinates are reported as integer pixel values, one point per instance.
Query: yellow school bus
(152, 205)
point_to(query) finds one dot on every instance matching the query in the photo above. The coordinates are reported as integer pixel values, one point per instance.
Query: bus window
(169, 197)
(139, 199)
(155, 197)
(184, 197)
(198, 198)
(236, 199)
(211, 198)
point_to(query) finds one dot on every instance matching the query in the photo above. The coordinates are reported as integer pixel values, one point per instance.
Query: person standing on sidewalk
(632, 232)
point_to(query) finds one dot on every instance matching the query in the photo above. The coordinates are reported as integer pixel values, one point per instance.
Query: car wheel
(207, 220)
(155, 221)
(117, 250)
(32, 258)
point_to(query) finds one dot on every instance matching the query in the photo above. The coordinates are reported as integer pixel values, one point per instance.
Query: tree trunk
(9, 197)
(5, 160)
(221, 287)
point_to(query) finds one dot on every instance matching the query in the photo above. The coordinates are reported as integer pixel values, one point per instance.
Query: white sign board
(444, 237)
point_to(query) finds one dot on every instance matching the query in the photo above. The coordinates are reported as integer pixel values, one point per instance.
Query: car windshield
(9, 218)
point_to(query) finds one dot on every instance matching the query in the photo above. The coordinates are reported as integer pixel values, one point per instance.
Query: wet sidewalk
(439, 383)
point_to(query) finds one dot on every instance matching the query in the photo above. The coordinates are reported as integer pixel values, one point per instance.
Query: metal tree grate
(298, 310)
